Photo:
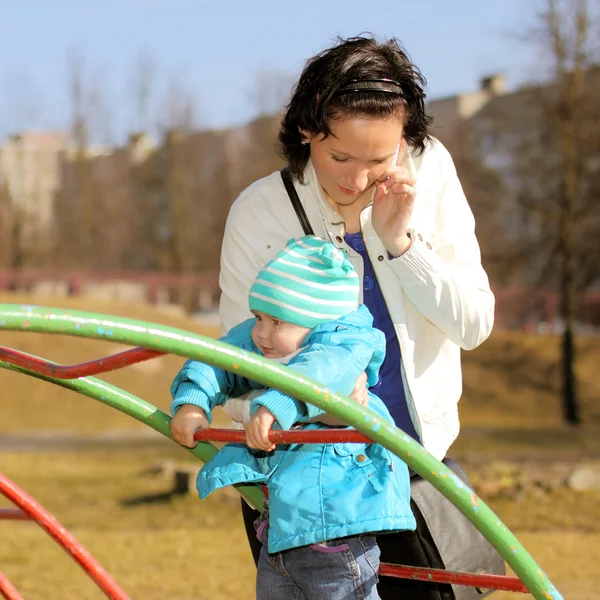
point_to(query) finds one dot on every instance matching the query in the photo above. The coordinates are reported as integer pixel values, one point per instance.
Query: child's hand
(257, 430)
(186, 421)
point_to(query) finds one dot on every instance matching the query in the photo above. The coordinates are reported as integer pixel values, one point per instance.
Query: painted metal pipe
(7, 589)
(478, 580)
(62, 537)
(186, 344)
(13, 514)
(93, 367)
(139, 409)
(296, 436)
(301, 436)
(322, 436)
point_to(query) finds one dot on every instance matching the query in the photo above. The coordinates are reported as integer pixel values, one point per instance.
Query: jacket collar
(313, 187)
(360, 318)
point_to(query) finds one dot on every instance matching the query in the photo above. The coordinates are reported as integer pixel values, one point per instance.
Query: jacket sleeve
(336, 367)
(240, 263)
(443, 276)
(207, 386)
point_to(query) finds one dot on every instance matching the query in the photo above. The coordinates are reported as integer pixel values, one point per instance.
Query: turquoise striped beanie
(308, 282)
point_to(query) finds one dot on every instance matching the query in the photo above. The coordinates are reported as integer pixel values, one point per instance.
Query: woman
(373, 181)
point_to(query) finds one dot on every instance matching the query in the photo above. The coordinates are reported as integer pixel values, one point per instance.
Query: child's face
(276, 338)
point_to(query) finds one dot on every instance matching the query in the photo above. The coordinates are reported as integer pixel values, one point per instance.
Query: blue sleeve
(336, 367)
(207, 386)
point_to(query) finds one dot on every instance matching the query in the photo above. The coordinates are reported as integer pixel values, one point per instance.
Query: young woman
(373, 181)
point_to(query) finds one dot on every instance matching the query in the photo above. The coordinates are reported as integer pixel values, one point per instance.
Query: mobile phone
(394, 160)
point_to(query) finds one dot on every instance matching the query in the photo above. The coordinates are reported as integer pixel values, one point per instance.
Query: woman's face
(358, 152)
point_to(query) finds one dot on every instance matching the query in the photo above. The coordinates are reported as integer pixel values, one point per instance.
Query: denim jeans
(342, 569)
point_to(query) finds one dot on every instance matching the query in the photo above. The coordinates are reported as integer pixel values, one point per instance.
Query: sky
(227, 54)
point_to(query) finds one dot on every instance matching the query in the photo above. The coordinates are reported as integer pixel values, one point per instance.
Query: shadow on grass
(158, 498)
(553, 443)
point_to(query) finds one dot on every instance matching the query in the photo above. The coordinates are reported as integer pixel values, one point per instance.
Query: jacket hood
(355, 327)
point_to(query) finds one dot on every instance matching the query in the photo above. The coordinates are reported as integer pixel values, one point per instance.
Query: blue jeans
(343, 569)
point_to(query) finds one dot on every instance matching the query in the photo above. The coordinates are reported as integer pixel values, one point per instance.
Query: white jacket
(437, 293)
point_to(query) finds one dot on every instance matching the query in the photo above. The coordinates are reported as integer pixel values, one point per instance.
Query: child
(326, 501)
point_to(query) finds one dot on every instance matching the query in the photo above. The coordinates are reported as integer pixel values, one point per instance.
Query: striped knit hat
(308, 282)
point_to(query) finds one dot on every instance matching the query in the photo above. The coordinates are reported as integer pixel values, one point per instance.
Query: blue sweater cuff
(286, 410)
(189, 393)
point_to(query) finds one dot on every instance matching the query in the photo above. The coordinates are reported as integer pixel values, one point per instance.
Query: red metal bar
(7, 589)
(298, 436)
(321, 436)
(479, 580)
(65, 539)
(325, 436)
(13, 514)
(93, 367)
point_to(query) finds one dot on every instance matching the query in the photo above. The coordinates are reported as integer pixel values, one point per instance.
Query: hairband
(372, 85)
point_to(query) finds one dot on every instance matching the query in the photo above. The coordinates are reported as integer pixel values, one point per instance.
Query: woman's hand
(257, 430)
(360, 395)
(393, 204)
(187, 420)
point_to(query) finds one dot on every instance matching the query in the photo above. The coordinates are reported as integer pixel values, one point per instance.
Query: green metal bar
(271, 374)
(140, 410)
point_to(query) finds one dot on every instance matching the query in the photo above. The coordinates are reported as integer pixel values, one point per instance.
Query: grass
(570, 559)
(513, 380)
(158, 545)
(154, 545)
(561, 443)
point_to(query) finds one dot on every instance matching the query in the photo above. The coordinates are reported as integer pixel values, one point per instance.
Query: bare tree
(544, 142)
(179, 107)
(78, 190)
(568, 30)
(143, 82)
(10, 240)
(556, 141)
(80, 201)
(486, 191)
(166, 190)
(22, 158)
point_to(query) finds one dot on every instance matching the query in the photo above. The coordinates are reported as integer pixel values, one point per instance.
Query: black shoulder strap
(293, 194)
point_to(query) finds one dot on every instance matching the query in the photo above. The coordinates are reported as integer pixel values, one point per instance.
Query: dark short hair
(316, 99)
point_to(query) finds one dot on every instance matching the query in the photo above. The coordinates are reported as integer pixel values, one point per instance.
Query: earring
(304, 142)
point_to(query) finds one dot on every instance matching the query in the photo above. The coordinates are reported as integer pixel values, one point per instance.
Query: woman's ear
(305, 135)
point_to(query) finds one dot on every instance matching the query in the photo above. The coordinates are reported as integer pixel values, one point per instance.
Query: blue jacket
(317, 492)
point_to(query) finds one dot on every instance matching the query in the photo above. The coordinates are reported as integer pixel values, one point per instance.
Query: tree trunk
(571, 57)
